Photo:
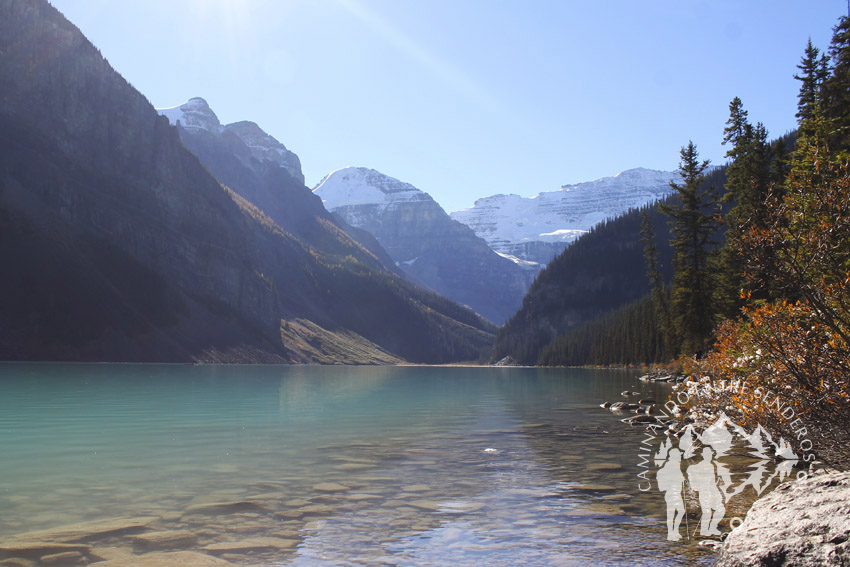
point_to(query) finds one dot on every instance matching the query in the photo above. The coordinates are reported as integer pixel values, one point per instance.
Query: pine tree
(751, 178)
(737, 127)
(749, 174)
(693, 227)
(781, 164)
(813, 71)
(659, 291)
(836, 87)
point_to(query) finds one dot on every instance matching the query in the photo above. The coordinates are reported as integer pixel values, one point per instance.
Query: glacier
(535, 229)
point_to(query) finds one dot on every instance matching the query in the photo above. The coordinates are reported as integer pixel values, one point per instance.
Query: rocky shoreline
(648, 411)
(802, 523)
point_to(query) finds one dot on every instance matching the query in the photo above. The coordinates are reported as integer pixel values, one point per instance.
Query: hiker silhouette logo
(712, 469)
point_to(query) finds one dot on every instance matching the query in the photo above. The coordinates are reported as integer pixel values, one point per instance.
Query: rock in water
(804, 523)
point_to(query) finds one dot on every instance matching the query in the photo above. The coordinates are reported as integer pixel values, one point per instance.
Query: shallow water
(341, 465)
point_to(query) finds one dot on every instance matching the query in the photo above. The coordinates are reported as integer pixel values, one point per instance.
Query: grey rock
(803, 523)
(623, 406)
(639, 419)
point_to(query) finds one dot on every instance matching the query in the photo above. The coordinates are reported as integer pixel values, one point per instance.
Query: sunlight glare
(460, 81)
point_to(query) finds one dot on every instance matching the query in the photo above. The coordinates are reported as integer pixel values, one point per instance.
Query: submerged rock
(85, 531)
(36, 549)
(330, 487)
(252, 544)
(221, 508)
(17, 562)
(157, 541)
(65, 559)
(174, 559)
(803, 523)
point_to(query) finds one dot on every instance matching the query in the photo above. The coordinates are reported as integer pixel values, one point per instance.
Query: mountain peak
(353, 186)
(427, 245)
(193, 114)
(265, 147)
(196, 114)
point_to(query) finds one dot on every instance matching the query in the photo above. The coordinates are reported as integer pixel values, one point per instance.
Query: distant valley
(141, 235)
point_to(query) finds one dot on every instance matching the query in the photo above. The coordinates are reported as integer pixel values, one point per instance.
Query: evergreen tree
(750, 182)
(836, 87)
(693, 226)
(736, 130)
(659, 292)
(813, 72)
(749, 174)
(781, 163)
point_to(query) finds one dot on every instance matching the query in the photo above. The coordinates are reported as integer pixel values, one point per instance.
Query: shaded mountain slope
(118, 244)
(425, 242)
(259, 168)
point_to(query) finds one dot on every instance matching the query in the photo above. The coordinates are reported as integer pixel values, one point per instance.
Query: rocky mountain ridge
(256, 166)
(196, 114)
(538, 228)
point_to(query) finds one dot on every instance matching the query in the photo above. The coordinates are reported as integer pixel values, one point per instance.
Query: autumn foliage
(797, 346)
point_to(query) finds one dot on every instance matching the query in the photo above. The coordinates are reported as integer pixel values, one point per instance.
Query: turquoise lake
(289, 465)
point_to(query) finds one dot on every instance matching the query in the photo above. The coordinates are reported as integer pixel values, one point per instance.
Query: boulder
(802, 523)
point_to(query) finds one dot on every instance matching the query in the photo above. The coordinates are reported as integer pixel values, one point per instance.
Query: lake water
(280, 465)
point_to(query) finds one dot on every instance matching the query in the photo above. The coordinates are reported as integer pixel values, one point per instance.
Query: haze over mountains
(118, 244)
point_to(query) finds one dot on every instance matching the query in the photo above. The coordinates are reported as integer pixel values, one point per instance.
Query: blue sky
(469, 98)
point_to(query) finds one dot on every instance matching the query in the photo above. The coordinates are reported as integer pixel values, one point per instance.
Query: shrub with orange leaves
(782, 368)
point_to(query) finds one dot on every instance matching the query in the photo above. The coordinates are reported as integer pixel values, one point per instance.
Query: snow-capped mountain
(539, 227)
(425, 242)
(362, 189)
(197, 115)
